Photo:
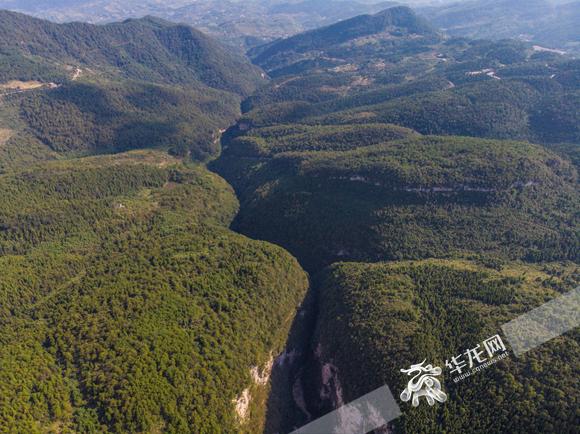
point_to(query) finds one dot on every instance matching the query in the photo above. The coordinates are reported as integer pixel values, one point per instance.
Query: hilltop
(241, 24)
(345, 39)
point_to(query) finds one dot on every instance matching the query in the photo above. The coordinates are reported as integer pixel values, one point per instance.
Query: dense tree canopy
(126, 303)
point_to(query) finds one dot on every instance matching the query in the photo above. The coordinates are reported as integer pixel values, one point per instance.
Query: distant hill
(413, 77)
(335, 10)
(345, 39)
(240, 23)
(540, 21)
(393, 19)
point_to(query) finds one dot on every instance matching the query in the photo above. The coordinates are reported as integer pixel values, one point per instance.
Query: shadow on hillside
(283, 415)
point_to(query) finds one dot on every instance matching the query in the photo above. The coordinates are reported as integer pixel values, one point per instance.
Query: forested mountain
(447, 169)
(239, 23)
(388, 198)
(126, 303)
(344, 40)
(83, 89)
(137, 49)
(428, 185)
(397, 314)
(358, 72)
(250, 23)
(540, 21)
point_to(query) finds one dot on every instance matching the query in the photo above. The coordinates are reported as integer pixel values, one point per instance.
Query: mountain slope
(78, 89)
(497, 89)
(140, 49)
(336, 160)
(413, 198)
(126, 303)
(376, 319)
(363, 25)
(343, 39)
(242, 24)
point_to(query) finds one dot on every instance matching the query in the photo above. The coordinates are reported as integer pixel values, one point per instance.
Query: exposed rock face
(330, 390)
(242, 405)
(260, 378)
(317, 389)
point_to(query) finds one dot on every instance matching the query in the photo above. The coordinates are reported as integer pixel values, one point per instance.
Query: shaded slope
(415, 198)
(77, 89)
(336, 40)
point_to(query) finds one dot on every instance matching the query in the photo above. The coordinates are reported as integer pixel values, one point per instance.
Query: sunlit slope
(126, 303)
(95, 117)
(76, 89)
(394, 68)
(376, 319)
(147, 49)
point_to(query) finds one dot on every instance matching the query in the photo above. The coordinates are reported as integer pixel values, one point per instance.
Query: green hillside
(401, 146)
(397, 29)
(390, 68)
(146, 49)
(376, 319)
(114, 116)
(500, 90)
(127, 304)
(347, 30)
(415, 198)
(79, 89)
(428, 184)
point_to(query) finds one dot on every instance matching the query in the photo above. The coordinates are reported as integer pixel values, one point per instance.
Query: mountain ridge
(77, 89)
(343, 31)
(141, 47)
